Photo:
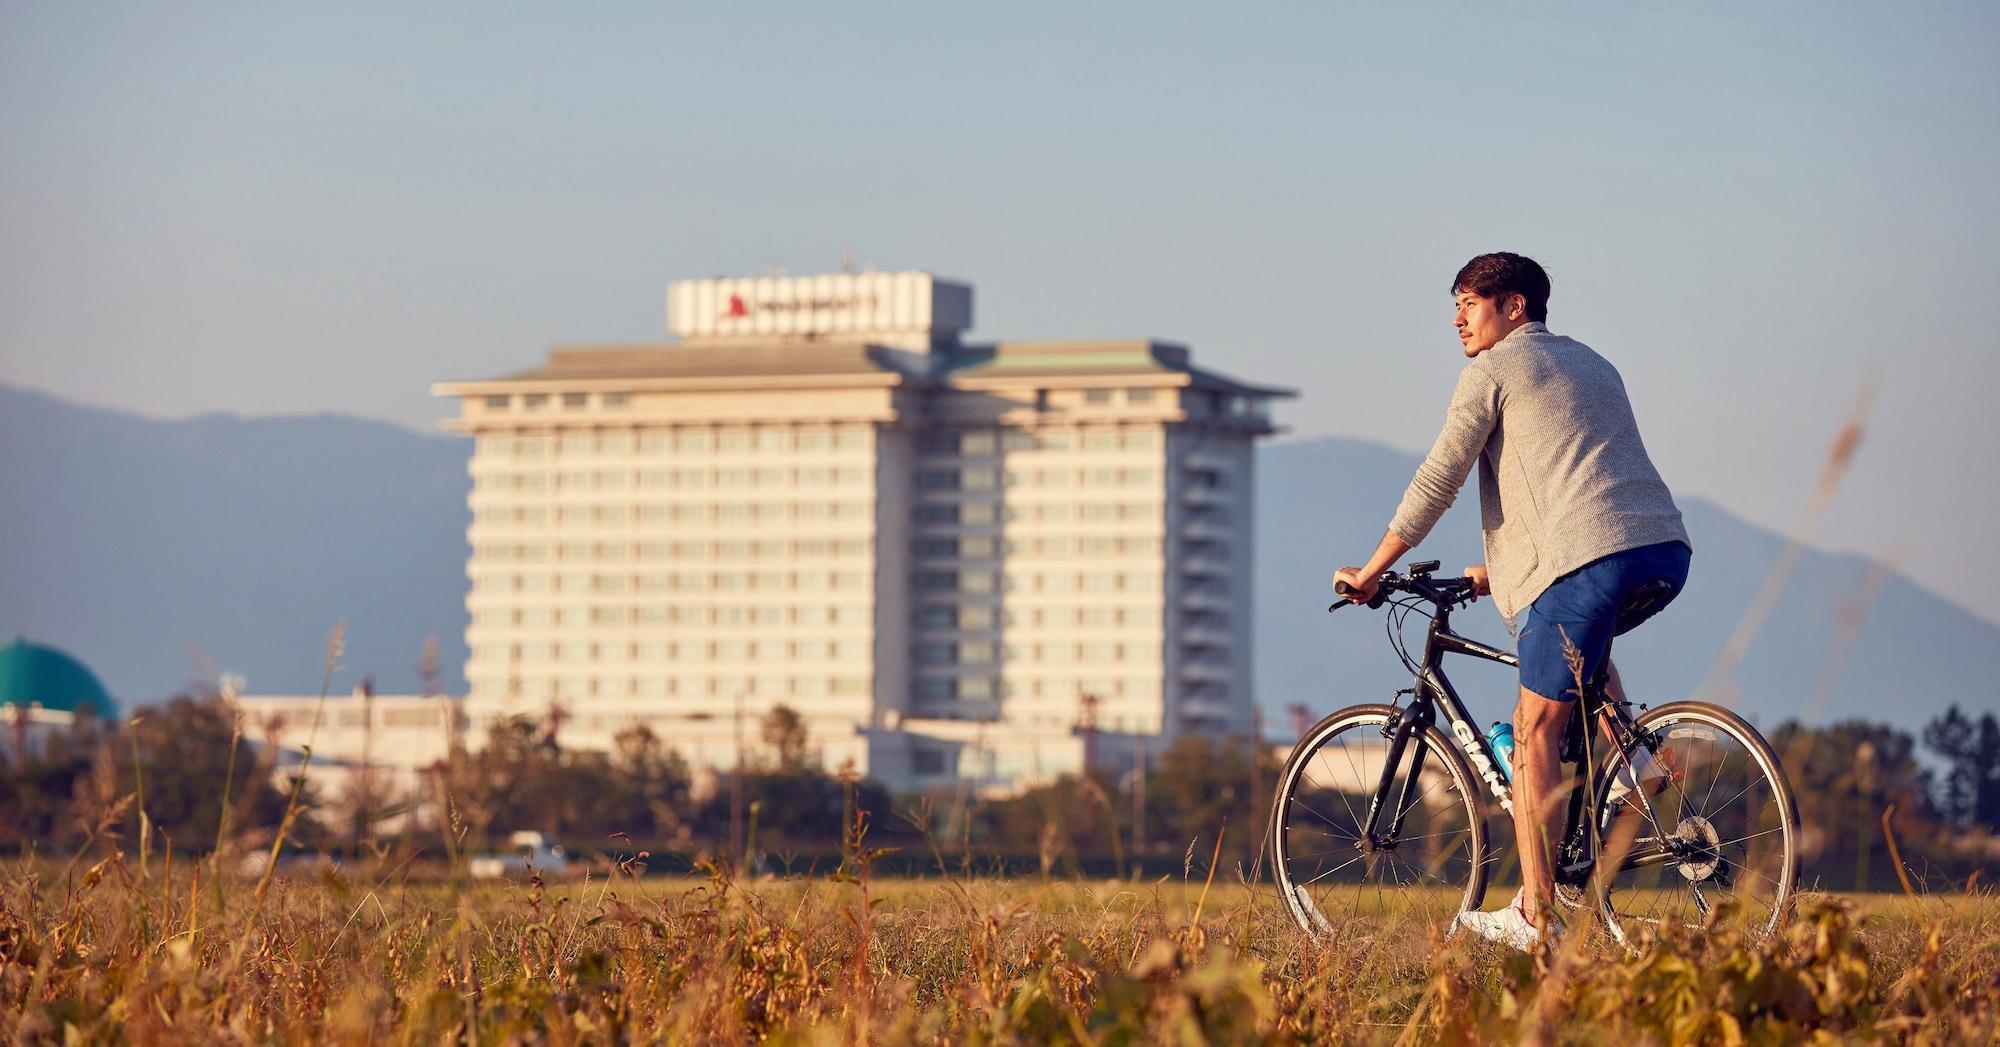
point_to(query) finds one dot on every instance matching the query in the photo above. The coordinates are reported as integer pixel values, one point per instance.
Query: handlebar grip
(1343, 589)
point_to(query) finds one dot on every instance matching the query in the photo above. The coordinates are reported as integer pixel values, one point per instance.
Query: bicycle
(1677, 855)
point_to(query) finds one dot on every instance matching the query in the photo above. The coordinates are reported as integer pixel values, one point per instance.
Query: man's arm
(1468, 422)
(1474, 411)
(1364, 579)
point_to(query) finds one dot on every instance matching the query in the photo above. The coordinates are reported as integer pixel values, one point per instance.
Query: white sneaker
(1508, 927)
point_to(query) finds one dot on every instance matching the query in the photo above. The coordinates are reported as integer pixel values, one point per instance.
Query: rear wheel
(1328, 874)
(1718, 840)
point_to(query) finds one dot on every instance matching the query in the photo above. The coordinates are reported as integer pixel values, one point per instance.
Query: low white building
(390, 738)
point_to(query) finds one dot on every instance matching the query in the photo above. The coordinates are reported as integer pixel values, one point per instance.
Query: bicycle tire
(1767, 902)
(1462, 791)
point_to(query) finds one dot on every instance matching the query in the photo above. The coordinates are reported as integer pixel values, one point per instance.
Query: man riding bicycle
(1575, 520)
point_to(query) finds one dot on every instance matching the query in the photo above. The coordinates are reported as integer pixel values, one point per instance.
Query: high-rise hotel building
(956, 560)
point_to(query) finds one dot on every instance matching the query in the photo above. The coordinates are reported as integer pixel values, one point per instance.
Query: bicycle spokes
(1421, 852)
(1711, 838)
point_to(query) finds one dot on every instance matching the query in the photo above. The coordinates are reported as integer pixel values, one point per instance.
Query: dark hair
(1502, 273)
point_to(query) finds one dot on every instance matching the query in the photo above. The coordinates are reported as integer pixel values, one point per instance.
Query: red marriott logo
(738, 309)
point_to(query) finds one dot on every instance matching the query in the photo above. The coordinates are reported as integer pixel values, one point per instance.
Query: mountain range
(162, 552)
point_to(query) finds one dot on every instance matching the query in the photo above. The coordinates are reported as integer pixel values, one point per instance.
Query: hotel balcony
(1206, 531)
(1205, 567)
(1197, 636)
(1207, 672)
(1207, 600)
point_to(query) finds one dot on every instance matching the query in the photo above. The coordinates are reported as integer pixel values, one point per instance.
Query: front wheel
(1428, 855)
(1711, 834)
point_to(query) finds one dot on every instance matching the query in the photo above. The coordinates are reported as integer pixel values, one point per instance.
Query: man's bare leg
(1538, 731)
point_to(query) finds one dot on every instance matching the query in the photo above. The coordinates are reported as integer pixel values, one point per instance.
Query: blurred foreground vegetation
(107, 951)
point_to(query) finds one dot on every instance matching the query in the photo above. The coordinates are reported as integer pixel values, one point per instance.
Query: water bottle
(1501, 737)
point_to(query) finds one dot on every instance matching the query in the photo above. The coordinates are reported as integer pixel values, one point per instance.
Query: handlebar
(1444, 592)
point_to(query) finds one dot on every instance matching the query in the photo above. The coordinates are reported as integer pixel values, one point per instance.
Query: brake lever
(1338, 604)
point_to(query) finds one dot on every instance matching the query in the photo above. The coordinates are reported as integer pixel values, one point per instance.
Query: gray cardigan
(1563, 477)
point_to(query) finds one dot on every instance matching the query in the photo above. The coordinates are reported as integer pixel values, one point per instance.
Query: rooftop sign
(894, 305)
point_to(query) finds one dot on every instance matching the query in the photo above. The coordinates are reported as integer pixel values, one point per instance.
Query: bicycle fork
(1371, 841)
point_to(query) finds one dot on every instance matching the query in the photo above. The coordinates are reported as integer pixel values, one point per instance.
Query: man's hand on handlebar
(1477, 574)
(1349, 582)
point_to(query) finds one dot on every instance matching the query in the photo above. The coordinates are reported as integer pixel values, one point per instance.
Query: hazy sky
(275, 211)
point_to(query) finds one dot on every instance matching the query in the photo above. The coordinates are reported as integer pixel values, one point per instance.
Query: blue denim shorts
(1582, 607)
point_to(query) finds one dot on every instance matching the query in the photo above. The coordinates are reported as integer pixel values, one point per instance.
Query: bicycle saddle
(1642, 602)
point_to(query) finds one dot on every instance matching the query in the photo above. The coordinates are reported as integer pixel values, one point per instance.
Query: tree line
(185, 766)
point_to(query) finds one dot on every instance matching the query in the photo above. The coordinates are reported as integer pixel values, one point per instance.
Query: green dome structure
(35, 674)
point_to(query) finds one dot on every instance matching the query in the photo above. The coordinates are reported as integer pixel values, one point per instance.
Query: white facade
(954, 561)
(389, 738)
(907, 310)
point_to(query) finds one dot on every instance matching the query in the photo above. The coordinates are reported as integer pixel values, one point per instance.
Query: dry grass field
(112, 952)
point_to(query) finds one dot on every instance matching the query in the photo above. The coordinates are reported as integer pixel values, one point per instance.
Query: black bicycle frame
(1433, 690)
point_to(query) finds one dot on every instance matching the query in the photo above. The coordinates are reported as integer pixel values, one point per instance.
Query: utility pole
(364, 786)
(736, 790)
(1138, 801)
(1257, 747)
(1087, 723)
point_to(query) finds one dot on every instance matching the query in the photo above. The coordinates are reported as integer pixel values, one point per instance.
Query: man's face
(1484, 321)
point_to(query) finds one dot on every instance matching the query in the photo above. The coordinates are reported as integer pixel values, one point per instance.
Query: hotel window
(934, 689)
(1101, 440)
(850, 439)
(732, 440)
(981, 441)
(978, 653)
(927, 761)
(812, 440)
(938, 480)
(937, 581)
(938, 444)
(937, 547)
(1097, 396)
(976, 547)
(1138, 396)
(613, 399)
(978, 514)
(685, 442)
(936, 617)
(773, 440)
(976, 582)
(975, 687)
(499, 401)
(575, 399)
(975, 618)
